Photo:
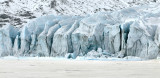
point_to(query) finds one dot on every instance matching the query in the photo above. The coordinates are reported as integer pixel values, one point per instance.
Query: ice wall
(127, 32)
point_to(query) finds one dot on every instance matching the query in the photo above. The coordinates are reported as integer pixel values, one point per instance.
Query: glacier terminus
(133, 31)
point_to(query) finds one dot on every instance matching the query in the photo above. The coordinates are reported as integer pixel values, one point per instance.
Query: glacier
(123, 33)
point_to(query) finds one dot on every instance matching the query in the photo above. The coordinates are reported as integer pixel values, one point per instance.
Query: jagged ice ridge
(129, 32)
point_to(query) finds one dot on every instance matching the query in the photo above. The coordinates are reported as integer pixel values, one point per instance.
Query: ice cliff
(127, 32)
